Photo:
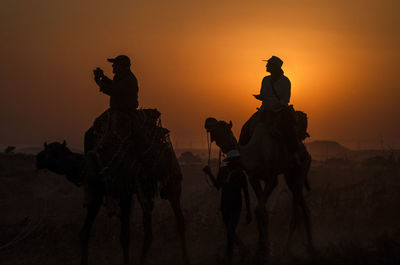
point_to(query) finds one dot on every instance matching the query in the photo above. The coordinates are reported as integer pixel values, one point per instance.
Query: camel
(263, 159)
(59, 159)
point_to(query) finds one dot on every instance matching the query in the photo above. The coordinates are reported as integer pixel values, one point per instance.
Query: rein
(153, 138)
(209, 145)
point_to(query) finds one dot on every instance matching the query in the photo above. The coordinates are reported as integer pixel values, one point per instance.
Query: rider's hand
(258, 97)
(207, 170)
(98, 72)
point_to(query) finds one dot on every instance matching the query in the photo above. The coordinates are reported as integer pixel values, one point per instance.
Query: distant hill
(322, 150)
(326, 149)
(33, 150)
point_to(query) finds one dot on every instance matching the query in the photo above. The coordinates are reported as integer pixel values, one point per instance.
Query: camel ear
(230, 124)
(45, 144)
(64, 143)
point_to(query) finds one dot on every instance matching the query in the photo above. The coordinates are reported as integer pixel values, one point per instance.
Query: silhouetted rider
(114, 126)
(275, 88)
(123, 88)
(274, 110)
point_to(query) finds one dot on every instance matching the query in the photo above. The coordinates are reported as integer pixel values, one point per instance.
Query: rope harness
(125, 147)
(209, 145)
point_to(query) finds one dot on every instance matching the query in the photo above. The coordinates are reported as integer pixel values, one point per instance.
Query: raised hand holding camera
(98, 72)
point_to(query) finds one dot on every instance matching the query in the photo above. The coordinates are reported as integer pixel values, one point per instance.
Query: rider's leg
(248, 128)
(286, 124)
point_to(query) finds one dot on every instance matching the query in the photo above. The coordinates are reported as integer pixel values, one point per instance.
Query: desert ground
(354, 206)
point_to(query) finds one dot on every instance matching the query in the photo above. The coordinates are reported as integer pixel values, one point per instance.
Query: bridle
(209, 145)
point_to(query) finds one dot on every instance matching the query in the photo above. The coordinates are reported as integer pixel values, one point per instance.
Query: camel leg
(305, 209)
(293, 222)
(262, 218)
(256, 184)
(93, 208)
(307, 223)
(125, 206)
(299, 207)
(147, 208)
(243, 250)
(175, 201)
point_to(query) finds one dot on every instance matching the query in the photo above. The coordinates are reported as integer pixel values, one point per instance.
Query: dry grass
(354, 211)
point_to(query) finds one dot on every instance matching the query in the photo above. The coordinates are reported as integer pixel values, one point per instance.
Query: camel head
(52, 157)
(221, 134)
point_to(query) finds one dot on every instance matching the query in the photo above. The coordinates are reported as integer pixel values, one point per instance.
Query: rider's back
(123, 91)
(278, 99)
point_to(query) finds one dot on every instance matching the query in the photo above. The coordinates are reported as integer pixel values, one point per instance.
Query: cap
(274, 60)
(121, 59)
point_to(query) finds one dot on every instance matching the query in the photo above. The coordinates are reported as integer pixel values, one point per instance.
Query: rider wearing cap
(123, 88)
(120, 117)
(112, 127)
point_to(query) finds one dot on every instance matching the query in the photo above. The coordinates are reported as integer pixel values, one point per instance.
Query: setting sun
(196, 59)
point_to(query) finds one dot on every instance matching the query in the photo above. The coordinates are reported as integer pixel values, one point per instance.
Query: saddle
(128, 144)
(277, 123)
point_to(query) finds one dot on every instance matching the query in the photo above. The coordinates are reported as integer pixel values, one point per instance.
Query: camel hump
(301, 124)
(151, 115)
(135, 138)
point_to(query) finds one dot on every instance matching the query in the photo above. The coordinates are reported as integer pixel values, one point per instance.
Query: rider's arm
(261, 95)
(106, 85)
(284, 91)
(124, 87)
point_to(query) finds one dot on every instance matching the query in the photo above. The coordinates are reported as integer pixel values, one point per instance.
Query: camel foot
(186, 261)
(287, 252)
(286, 258)
(261, 257)
(244, 254)
(223, 261)
(313, 256)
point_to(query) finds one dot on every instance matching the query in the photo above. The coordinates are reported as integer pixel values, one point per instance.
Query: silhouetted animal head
(52, 157)
(221, 134)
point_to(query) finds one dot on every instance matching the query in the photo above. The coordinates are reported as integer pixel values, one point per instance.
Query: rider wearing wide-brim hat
(274, 111)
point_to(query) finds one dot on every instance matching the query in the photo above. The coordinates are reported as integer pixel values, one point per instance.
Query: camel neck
(71, 165)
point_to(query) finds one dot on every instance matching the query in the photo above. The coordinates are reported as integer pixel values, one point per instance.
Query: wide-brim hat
(274, 60)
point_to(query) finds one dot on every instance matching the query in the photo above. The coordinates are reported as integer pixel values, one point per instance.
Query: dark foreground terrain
(354, 207)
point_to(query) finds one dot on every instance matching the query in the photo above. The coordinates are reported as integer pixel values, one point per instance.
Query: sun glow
(195, 59)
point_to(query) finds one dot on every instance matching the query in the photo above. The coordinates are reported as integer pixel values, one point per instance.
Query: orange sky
(195, 59)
